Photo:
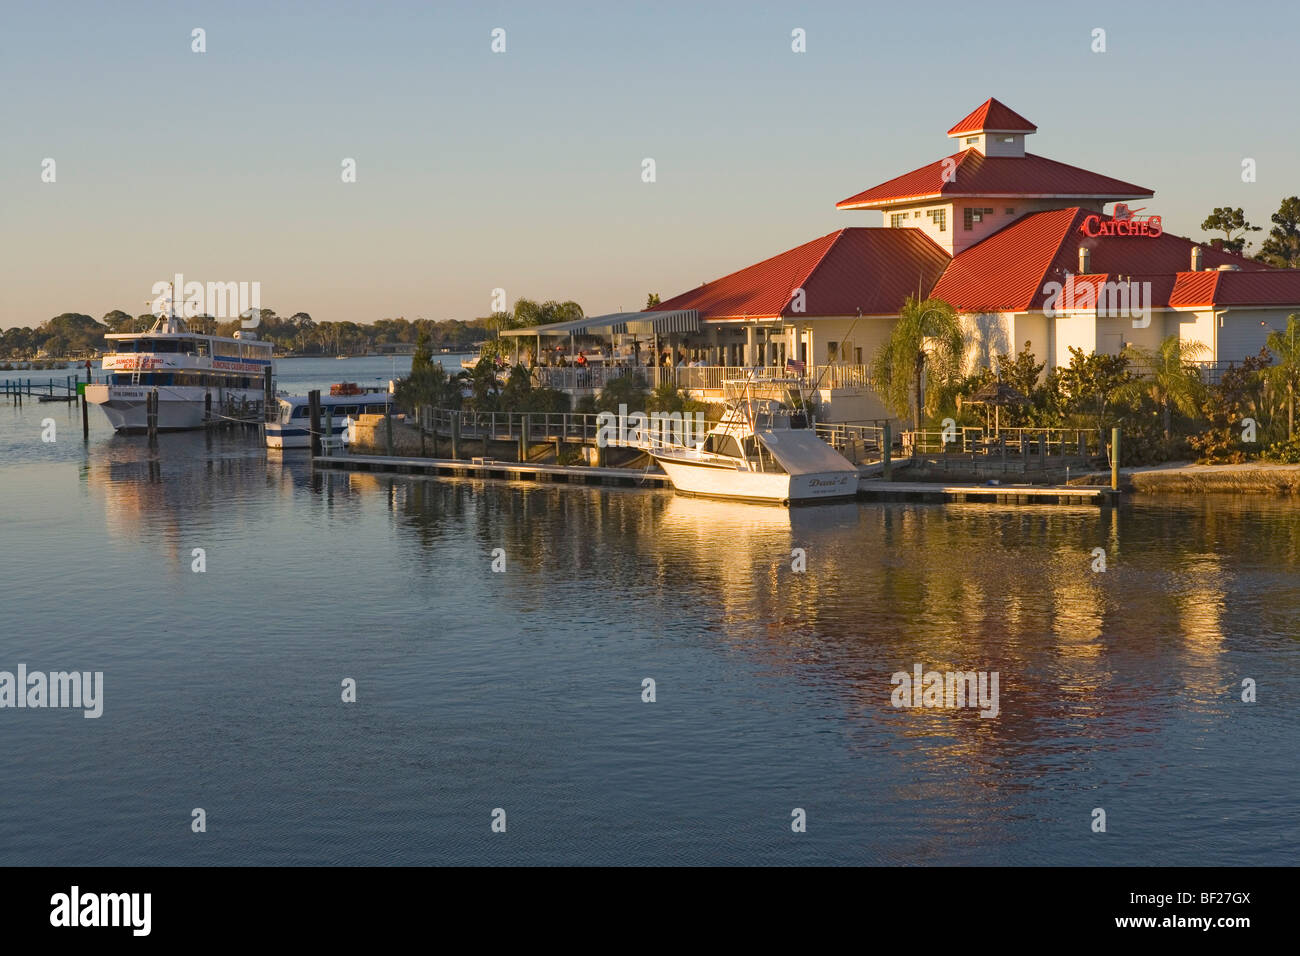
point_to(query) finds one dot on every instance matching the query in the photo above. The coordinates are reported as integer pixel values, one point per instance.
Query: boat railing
(858, 443)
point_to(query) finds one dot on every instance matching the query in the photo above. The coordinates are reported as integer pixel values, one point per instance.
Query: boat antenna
(848, 336)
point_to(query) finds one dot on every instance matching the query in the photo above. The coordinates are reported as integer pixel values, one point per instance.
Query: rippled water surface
(523, 690)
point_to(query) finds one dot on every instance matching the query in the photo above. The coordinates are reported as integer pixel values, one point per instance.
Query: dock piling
(313, 402)
(1114, 459)
(151, 414)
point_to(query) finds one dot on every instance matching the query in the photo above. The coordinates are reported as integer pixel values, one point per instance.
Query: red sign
(1123, 223)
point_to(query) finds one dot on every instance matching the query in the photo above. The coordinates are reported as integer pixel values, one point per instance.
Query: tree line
(78, 334)
(1280, 248)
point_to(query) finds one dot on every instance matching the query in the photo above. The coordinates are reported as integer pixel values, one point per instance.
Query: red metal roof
(1007, 271)
(1194, 288)
(993, 115)
(865, 268)
(971, 173)
(1247, 288)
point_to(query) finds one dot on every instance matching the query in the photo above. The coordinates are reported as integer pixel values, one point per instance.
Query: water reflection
(1090, 663)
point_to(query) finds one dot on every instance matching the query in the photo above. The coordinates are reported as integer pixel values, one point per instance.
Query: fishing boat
(345, 402)
(763, 450)
(195, 375)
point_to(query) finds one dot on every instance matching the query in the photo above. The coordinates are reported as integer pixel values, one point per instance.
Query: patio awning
(572, 327)
(657, 323)
(618, 323)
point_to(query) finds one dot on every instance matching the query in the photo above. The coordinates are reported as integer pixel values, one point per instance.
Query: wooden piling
(313, 403)
(455, 434)
(1114, 459)
(85, 419)
(151, 414)
(887, 452)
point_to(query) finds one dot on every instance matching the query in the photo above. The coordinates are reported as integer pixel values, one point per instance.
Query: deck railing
(1211, 372)
(700, 378)
(859, 443)
(1072, 442)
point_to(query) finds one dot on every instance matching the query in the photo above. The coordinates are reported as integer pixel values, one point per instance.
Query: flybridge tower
(988, 184)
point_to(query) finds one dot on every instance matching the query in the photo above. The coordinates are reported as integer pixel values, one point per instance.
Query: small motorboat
(763, 450)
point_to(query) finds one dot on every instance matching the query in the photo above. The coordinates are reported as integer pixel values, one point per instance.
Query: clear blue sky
(522, 170)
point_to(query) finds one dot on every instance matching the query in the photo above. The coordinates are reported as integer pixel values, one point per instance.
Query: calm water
(522, 689)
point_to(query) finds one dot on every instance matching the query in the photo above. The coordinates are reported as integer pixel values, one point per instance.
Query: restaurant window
(896, 220)
(1010, 211)
(832, 351)
(939, 217)
(971, 140)
(970, 216)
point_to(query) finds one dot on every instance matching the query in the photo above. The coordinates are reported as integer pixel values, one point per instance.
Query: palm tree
(1284, 375)
(1172, 379)
(927, 332)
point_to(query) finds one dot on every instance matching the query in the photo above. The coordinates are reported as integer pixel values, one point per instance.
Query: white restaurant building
(1021, 245)
(1003, 235)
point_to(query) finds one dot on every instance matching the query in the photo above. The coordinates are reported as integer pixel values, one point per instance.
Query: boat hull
(296, 436)
(706, 480)
(179, 408)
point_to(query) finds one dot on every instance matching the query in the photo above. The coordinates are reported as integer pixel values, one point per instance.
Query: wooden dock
(924, 491)
(492, 468)
(869, 489)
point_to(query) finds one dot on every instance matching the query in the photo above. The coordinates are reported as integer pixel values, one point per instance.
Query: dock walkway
(492, 468)
(925, 491)
(869, 489)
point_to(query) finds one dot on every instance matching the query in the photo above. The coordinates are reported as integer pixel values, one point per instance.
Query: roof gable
(994, 116)
(865, 268)
(971, 173)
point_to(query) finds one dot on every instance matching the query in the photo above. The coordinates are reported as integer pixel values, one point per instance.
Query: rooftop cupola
(994, 129)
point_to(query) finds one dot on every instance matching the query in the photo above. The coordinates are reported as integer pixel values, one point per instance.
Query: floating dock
(926, 491)
(869, 489)
(492, 468)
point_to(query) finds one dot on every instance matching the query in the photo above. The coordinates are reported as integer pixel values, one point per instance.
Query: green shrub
(1284, 452)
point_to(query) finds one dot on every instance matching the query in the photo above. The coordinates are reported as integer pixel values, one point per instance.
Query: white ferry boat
(191, 371)
(762, 450)
(340, 409)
